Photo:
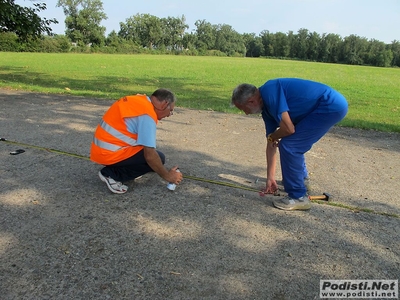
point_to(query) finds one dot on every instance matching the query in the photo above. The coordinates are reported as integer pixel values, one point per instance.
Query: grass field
(202, 82)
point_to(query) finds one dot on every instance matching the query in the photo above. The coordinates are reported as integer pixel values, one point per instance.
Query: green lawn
(202, 82)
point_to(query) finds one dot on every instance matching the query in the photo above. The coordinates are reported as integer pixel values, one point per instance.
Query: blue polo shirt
(299, 98)
(145, 128)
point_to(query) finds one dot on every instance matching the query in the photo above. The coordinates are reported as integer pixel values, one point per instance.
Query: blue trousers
(292, 148)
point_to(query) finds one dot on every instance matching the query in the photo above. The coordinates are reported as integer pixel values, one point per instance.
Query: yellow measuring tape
(87, 158)
(352, 208)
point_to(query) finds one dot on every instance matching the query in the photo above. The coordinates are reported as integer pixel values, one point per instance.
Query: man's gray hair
(243, 92)
(164, 94)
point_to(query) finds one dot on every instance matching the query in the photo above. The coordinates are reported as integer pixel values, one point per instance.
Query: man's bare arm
(154, 161)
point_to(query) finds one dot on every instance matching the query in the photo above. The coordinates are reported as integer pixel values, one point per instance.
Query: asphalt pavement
(63, 235)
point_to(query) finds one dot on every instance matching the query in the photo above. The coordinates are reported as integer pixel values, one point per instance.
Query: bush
(215, 53)
(9, 42)
(63, 43)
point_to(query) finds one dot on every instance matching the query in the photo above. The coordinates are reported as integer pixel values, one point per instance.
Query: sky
(371, 19)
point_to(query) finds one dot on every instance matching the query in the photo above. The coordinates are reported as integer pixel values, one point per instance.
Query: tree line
(145, 33)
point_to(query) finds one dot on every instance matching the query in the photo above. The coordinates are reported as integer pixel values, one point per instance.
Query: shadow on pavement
(64, 235)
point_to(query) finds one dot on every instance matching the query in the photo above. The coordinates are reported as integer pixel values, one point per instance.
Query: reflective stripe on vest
(115, 133)
(105, 145)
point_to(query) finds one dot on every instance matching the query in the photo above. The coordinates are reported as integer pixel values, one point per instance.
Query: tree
(376, 54)
(395, 47)
(24, 21)
(189, 41)
(253, 44)
(229, 41)
(113, 40)
(282, 48)
(353, 50)
(384, 58)
(301, 44)
(268, 41)
(143, 29)
(206, 35)
(174, 30)
(291, 43)
(329, 50)
(314, 42)
(82, 22)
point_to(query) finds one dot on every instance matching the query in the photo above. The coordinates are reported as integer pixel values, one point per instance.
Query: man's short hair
(164, 94)
(243, 92)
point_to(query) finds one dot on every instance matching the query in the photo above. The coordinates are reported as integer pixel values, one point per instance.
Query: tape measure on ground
(340, 205)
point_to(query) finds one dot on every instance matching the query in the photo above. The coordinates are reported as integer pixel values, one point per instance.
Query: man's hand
(154, 161)
(271, 187)
(174, 176)
(272, 141)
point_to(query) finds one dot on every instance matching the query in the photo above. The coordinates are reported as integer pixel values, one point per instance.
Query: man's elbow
(147, 153)
(291, 130)
(288, 129)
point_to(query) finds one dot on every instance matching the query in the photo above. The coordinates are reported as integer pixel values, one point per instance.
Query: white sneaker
(287, 203)
(114, 186)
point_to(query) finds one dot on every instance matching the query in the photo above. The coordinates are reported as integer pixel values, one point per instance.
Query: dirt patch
(65, 236)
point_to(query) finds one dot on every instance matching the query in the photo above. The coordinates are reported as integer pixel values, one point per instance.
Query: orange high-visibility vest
(112, 141)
